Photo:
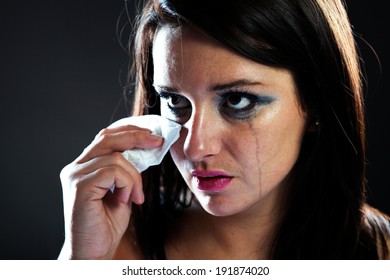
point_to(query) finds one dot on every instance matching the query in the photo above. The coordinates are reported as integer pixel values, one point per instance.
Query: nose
(203, 139)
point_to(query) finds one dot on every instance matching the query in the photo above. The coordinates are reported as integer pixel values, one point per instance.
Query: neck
(246, 235)
(242, 236)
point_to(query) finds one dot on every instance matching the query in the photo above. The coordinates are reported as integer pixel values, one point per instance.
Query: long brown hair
(314, 41)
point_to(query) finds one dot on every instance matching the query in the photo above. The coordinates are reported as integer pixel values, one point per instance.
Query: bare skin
(240, 119)
(95, 218)
(256, 143)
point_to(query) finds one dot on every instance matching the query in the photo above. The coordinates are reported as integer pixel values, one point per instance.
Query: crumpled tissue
(143, 158)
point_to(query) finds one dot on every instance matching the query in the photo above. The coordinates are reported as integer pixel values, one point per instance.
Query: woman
(270, 162)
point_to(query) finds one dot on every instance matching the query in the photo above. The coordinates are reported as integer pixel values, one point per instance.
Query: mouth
(211, 181)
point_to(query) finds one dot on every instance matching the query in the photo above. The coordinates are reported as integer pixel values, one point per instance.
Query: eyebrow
(217, 87)
(237, 83)
(165, 88)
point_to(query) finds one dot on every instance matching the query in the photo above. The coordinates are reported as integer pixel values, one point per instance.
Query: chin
(219, 208)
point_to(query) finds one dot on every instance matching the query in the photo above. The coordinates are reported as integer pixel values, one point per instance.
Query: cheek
(177, 151)
(273, 144)
(244, 145)
(280, 148)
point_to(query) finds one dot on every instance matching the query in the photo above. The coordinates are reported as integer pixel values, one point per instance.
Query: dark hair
(325, 205)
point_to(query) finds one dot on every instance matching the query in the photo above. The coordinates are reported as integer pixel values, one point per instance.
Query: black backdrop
(61, 82)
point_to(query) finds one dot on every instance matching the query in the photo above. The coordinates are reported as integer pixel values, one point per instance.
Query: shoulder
(378, 224)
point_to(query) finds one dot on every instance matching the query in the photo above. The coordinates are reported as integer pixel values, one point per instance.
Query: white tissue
(143, 158)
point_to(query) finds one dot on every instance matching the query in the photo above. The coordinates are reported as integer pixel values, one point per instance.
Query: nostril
(201, 143)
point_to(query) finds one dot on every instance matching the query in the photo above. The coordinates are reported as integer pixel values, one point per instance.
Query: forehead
(183, 49)
(174, 46)
(175, 37)
(184, 57)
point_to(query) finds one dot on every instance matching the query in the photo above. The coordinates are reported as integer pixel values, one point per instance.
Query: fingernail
(139, 197)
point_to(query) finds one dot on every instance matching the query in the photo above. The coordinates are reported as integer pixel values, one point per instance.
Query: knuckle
(137, 136)
(66, 172)
(127, 127)
(117, 158)
(71, 176)
(102, 132)
(108, 171)
(103, 140)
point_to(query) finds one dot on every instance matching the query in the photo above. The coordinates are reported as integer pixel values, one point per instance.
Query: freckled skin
(258, 152)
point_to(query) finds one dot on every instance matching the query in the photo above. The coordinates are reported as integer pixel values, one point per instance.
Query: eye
(176, 101)
(237, 101)
(177, 105)
(242, 105)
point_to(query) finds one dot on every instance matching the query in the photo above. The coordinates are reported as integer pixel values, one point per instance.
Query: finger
(119, 142)
(115, 158)
(94, 186)
(111, 130)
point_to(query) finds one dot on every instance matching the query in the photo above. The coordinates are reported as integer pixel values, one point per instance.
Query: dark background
(62, 70)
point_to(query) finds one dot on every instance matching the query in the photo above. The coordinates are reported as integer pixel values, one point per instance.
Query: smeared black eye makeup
(177, 104)
(242, 104)
(235, 104)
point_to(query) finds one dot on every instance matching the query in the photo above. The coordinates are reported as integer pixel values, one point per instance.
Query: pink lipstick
(211, 180)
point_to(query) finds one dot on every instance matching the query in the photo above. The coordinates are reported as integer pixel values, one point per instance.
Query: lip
(212, 180)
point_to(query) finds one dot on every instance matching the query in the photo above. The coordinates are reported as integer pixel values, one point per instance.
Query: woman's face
(242, 122)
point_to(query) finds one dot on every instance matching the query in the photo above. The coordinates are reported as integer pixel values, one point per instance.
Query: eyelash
(168, 96)
(255, 103)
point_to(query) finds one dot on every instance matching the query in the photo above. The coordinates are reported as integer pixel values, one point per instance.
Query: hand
(95, 217)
